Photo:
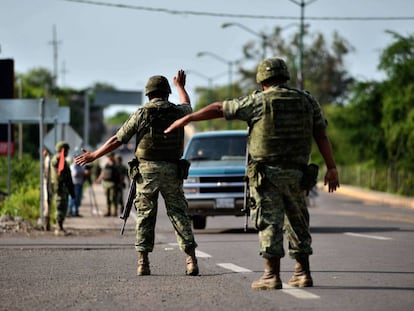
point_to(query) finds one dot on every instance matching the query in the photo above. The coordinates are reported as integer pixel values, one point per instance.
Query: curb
(373, 196)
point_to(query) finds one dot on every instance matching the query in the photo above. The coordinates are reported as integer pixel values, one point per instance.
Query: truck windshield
(217, 148)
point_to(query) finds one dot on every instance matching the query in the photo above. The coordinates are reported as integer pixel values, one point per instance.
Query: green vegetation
(25, 196)
(371, 123)
(119, 118)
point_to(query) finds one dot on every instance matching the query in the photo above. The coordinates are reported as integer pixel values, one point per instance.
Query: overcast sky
(124, 46)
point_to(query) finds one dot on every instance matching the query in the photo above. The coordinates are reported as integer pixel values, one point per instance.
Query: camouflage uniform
(62, 186)
(159, 173)
(110, 183)
(123, 173)
(281, 122)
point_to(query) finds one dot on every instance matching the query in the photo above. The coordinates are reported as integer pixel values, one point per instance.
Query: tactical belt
(285, 165)
(164, 160)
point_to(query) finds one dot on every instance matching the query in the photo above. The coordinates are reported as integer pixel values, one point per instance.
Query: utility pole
(63, 72)
(302, 4)
(55, 44)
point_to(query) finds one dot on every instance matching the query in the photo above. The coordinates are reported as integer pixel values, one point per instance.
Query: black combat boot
(143, 264)
(191, 261)
(271, 276)
(47, 223)
(108, 212)
(59, 231)
(302, 276)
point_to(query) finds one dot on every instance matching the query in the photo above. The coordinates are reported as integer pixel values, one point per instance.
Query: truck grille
(222, 184)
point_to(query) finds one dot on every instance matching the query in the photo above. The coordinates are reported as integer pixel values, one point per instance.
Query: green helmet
(60, 145)
(157, 83)
(272, 67)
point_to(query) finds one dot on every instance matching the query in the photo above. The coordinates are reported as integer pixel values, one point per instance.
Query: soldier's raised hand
(179, 79)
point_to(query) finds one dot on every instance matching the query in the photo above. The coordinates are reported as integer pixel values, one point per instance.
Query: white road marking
(298, 293)
(376, 237)
(201, 254)
(233, 267)
(293, 291)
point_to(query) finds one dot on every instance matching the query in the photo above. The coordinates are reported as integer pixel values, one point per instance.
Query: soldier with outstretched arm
(282, 122)
(159, 166)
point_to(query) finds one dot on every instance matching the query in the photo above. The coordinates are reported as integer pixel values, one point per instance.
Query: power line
(229, 15)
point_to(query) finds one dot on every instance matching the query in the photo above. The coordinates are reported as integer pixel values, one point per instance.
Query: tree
(378, 122)
(325, 73)
(397, 60)
(37, 83)
(361, 138)
(324, 67)
(207, 96)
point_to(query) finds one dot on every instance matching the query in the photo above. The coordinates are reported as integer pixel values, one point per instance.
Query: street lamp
(257, 34)
(86, 118)
(264, 37)
(229, 64)
(207, 78)
(210, 87)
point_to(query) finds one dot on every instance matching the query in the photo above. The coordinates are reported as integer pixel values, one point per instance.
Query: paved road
(363, 260)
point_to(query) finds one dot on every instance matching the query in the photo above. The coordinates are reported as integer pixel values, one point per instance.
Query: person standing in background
(61, 184)
(110, 178)
(123, 180)
(47, 191)
(78, 177)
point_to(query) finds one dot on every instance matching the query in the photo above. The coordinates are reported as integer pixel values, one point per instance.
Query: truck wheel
(199, 222)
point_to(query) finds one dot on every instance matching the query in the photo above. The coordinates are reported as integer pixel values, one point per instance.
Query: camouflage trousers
(155, 178)
(279, 207)
(61, 201)
(111, 194)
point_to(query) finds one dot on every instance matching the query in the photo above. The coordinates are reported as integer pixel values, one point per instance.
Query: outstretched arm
(89, 156)
(325, 148)
(212, 111)
(179, 82)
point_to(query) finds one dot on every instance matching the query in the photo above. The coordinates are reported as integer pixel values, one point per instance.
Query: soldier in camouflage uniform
(282, 122)
(123, 174)
(110, 177)
(61, 184)
(159, 168)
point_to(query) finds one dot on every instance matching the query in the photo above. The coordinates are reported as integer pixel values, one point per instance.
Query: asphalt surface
(362, 261)
(91, 212)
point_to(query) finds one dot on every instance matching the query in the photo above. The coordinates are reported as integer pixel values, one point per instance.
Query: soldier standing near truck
(282, 122)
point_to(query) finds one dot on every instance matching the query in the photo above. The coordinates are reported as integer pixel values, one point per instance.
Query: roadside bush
(23, 202)
(25, 196)
(378, 178)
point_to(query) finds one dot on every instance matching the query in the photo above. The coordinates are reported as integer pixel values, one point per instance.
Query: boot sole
(306, 284)
(267, 287)
(192, 273)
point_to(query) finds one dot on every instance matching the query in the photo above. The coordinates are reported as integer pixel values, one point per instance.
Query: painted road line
(298, 293)
(233, 267)
(376, 237)
(293, 291)
(201, 254)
